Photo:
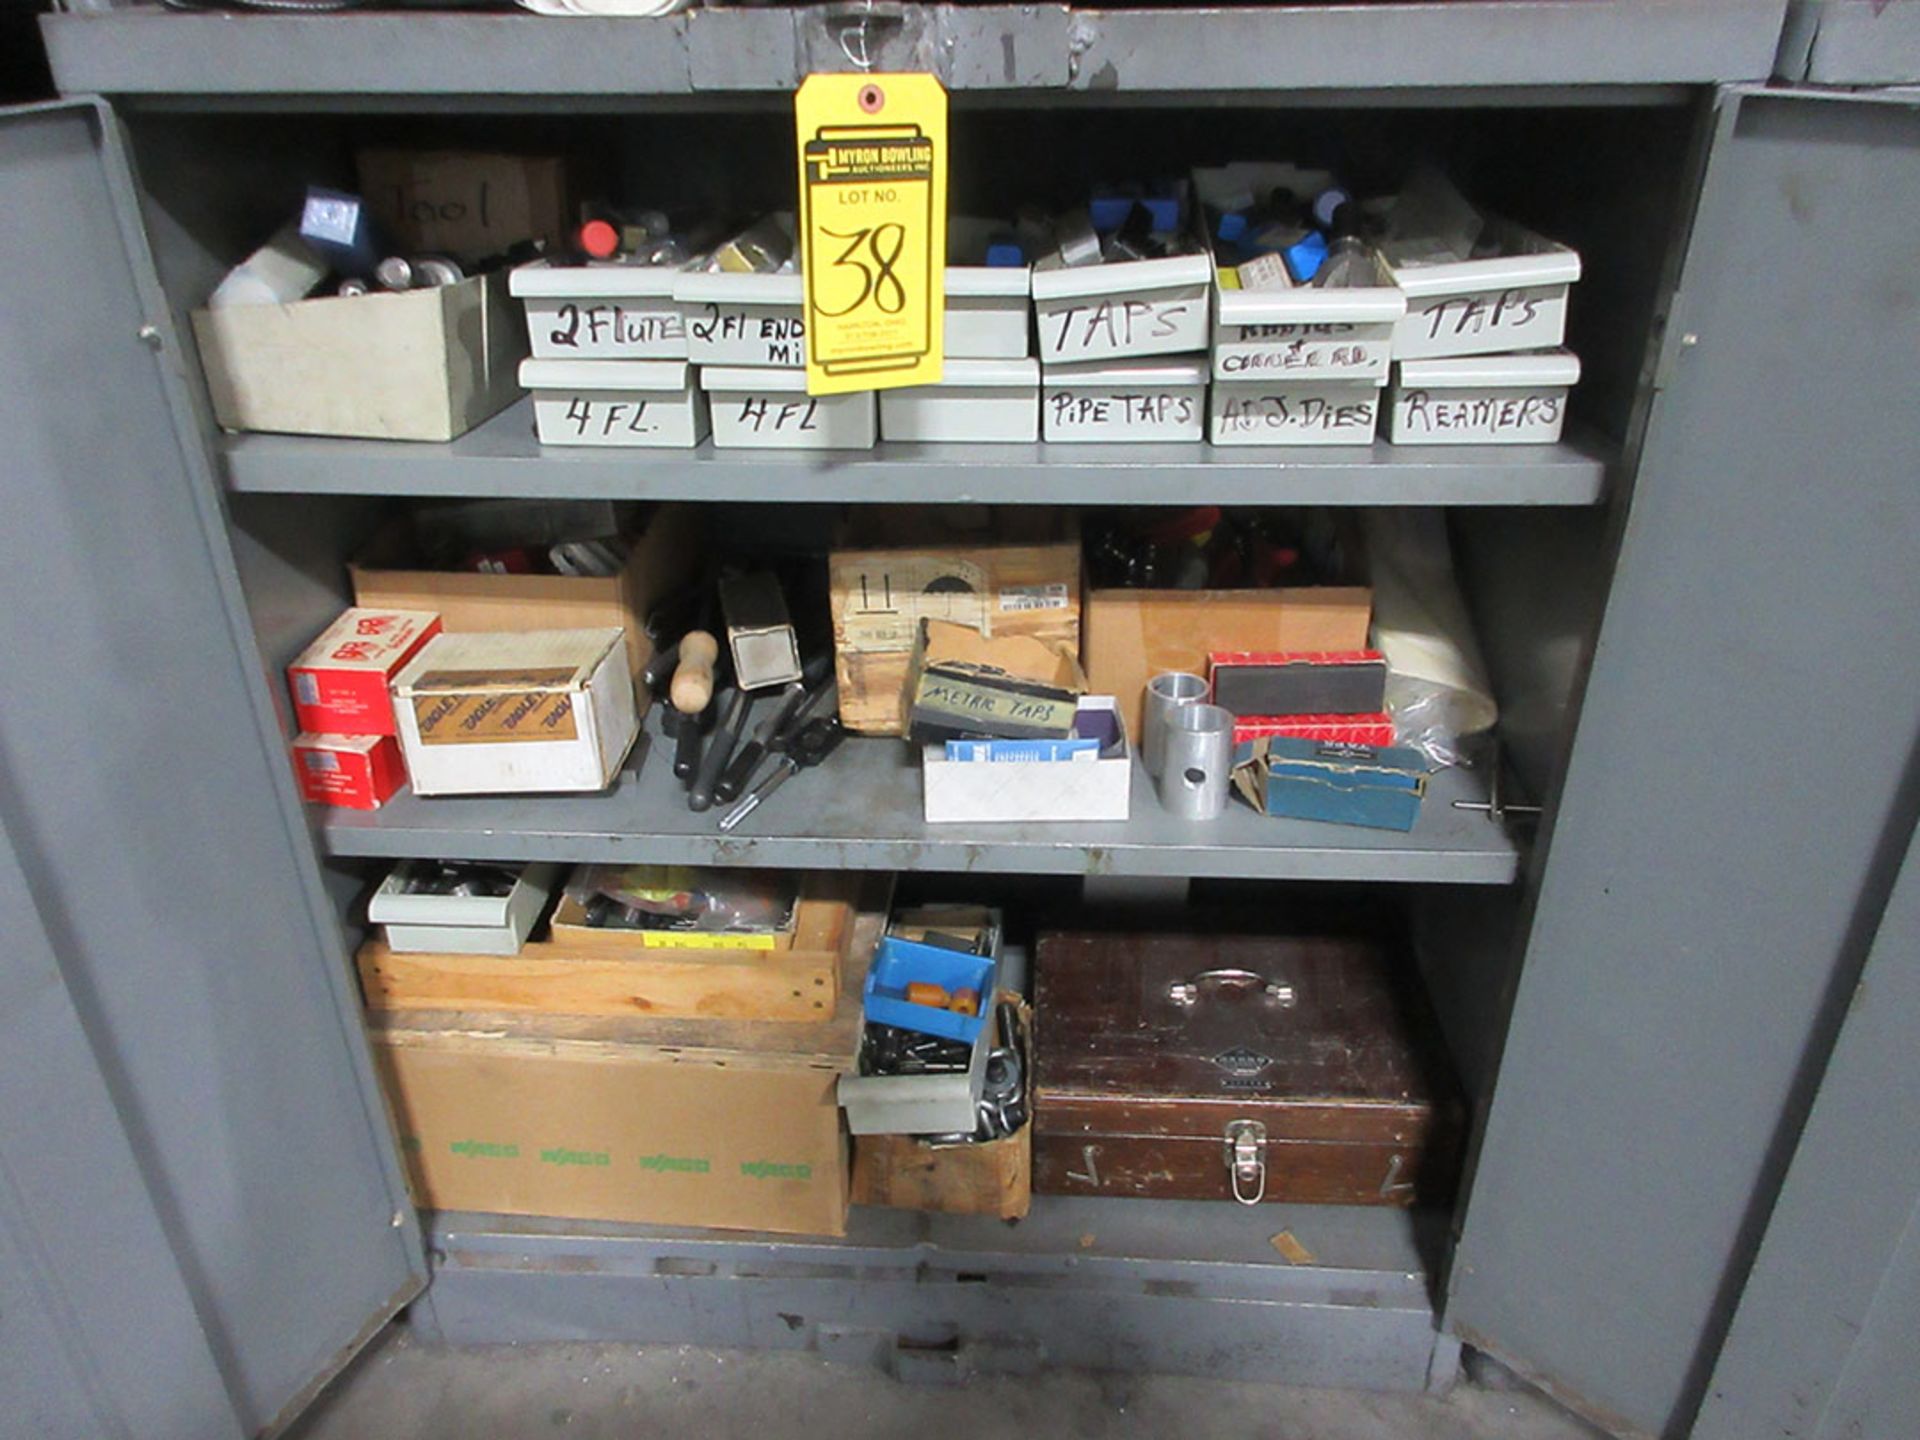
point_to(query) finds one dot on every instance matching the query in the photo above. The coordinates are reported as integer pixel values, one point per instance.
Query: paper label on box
(985, 705)
(1034, 597)
(321, 762)
(885, 604)
(306, 687)
(494, 716)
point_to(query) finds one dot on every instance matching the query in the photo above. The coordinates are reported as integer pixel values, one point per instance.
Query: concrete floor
(401, 1390)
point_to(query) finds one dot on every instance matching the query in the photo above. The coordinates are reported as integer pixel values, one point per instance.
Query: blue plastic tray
(897, 962)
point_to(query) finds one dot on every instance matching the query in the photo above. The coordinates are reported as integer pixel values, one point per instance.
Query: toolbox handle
(1187, 992)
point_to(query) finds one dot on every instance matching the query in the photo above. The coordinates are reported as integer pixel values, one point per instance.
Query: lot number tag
(873, 229)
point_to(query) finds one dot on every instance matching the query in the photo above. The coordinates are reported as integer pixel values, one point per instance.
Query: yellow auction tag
(873, 229)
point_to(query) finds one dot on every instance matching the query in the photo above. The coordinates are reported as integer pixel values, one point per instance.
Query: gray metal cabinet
(230, 1113)
(1739, 780)
(1702, 890)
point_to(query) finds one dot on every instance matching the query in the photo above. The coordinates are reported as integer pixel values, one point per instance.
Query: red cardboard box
(353, 772)
(340, 682)
(1319, 682)
(1373, 730)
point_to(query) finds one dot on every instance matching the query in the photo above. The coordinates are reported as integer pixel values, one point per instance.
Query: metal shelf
(862, 811)
(501, 457)
(1472, 46)
(1192, 1287)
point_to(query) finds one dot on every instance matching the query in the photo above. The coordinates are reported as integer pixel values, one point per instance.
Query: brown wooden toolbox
(1205, 1067)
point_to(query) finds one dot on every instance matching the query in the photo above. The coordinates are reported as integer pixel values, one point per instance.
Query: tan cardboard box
(465, 204)
(422, 365)
(1133, 635)
(662, 560)
(879, 597)
(728, 1123)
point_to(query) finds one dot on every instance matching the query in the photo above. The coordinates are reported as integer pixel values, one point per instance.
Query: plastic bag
(1437, 689)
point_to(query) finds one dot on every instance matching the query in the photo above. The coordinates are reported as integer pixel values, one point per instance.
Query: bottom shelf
(1180, 1287)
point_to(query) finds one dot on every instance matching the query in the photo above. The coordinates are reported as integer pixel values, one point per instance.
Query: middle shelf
(862, 811)
(502, 458)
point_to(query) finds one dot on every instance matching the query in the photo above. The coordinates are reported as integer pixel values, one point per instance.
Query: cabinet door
(1826, 1342)
(146, 795)
(1738, 779)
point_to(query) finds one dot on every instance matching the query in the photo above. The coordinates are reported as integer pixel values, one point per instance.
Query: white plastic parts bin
(600, 311)
(735, 319)
(1289, 411)
(1124, 400)
(650, 403)
(1514, 301)
(988, 312)
(975, 400)
(1300, 333)
(771, 410)
(1488, 400)
(1133, 307)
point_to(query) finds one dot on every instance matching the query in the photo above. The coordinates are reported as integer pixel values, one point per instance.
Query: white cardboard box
(1102, 789)
(462, 924)
(974, 400)
(1125, 400)
(1513, 301)
(989, 312)
(1300, 333)
(616, 402)
(735, 319)
(1483, 400)
(419, 365)
(1132, 307)
(600, 311)
(756, 409)
(502, 713)
(1289, 411)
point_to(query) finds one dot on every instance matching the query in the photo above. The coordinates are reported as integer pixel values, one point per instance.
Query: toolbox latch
(1247, 1160)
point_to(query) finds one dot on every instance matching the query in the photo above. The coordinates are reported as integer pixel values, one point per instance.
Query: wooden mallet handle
(692, 686)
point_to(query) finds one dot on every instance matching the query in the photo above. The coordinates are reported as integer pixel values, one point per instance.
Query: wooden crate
(612, 974)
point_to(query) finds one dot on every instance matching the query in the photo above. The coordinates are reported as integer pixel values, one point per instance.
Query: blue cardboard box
(1338, 783)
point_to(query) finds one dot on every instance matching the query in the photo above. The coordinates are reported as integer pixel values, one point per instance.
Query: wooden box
(1160, 1050)
(581, 970)
(880, 595)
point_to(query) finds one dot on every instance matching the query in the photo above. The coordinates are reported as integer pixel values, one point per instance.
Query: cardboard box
(743, 319)
(1339, 784)
(350, 772)
(880, 595)
(974, 402)
(1484, 400)
(600, 312)
(1133, 635)
(638, 403)
(597, 1131)
(584, 970)
(463, 203)
(340, 681)
(1515, 300)
(663, 558)
(425, 364)
(1133, 307)
(988, 312)
(1100, 788)
(1292, 412)
(1014, 686)
(461, 924)
(504, 714)
(671, 1122)
(770, 409)
(1125, 401)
